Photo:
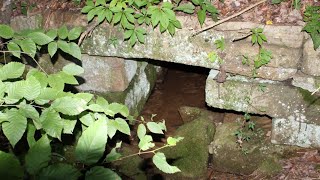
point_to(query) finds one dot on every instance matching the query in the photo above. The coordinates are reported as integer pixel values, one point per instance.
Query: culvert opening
(178, 87)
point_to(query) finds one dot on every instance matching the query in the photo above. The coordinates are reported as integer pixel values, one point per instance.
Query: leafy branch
(36, 103)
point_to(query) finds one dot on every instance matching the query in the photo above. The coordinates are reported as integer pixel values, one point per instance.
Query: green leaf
(176, 23)
(52, 33)
(11, 70)
(146, 143)
(186, 8)
(30, 134)
(316, 39)
(116, 17)
(40, 38)
(173, 141)
(86, 9)
(141, 37)
(48, 94)
(75, 50)
(120, 125)
(276, 1)
(167, 5)
(73, 69)
(155, 18)
(59, 171)
(68, 126)
(253, 38)
(29, 111)
(119, 108)
(101, 16)
(74, 33)
(69, 105)
(142, 131)
(128, 34)
(98, 172)
(6, 31)
(31, 88)
(51, 123)
(28, 46)
(56, 82)
(15, 127)
(52, 48)
(102, 2)
(38, 155)
(64, 46)
(10, 167)
(154, 128)
(95, 108)
(201, 16)
(86, 118)
(111, 129)
(102, 102)
(14, 92)
(159, 159)
(85, 96)
(67, 78)
(164, 20)
(40, 76)
(171, 29)
(108, 15)
(63, 32)
(91, 144)
(114, 155)
(14, 48)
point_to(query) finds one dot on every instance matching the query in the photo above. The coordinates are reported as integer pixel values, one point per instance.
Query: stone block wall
(289, 78)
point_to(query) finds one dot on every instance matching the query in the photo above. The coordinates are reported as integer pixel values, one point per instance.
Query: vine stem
(228, 18)
(139, 153)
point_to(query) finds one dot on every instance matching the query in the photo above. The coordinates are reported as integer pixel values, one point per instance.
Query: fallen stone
(257, 155)
(191, 113)
(191, 154)
(290, 132)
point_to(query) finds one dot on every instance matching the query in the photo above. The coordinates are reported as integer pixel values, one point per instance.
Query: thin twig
(88, 32)
(228, 18)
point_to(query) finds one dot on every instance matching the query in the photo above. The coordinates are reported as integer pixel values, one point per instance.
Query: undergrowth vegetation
(36, 108)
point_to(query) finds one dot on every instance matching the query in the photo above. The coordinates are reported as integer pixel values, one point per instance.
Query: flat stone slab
(311, 59)
(257, 96)
(285, 42)
(106, 74)
(290, 132)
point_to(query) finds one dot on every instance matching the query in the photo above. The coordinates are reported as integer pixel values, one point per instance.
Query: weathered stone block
(311, 59)
(229, 157)
(289, 131)
(106, 74)
(20, 23)
(138, 91)
(257, 96)
(307, 82)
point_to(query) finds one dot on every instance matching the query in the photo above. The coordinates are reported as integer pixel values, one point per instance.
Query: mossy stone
(191, 154)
